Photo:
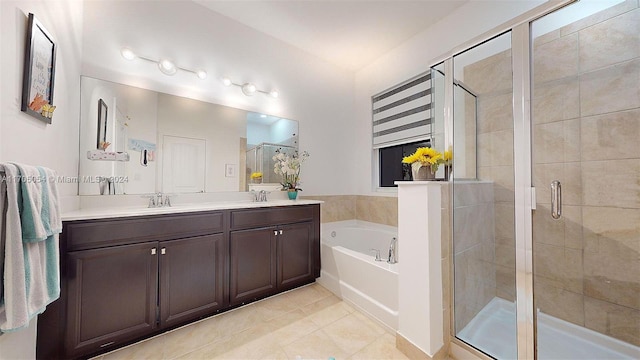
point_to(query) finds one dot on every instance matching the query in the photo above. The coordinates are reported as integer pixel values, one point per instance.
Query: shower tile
(490, 75)
(504, 220)
(611, 183)
(557, 142)
(605, 227)
(611, 136)
(617, 321)
(557, 100)
(446, 232)
(484, 150)
(614, 88)
(503, 183)
(556, 59)
(506, 283)
(547, 230)
(495, 113)
(599, 17)
(610, 42)
(548, 37)
(506, 256)
(612, 273)
(502, 146)
(558, 302)
(559, 266)
(572, 216)
(572, 184)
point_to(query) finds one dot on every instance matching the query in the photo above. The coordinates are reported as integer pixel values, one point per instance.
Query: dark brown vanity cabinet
(271, 259)
(126, 279)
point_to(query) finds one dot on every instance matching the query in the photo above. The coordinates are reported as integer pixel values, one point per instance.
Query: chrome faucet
(259, 196)
(158, 200)
(393, 251)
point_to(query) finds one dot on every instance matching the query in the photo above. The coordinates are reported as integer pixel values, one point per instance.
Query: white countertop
(106, 213)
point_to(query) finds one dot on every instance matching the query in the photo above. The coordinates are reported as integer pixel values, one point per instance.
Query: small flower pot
(293, 194)
(422, 173)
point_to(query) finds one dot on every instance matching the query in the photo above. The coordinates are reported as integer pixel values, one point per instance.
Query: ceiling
(350, 34)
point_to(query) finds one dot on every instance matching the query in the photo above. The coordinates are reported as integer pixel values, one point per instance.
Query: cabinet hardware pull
(153, 251)
(275, 232)
(280, 232)
(163, 251)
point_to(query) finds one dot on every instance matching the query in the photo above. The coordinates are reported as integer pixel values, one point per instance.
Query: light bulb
(201, 74)
(226, 81)
(127, 53)
(248, 89)
(167, 67)
(263, 115)
(274, 93)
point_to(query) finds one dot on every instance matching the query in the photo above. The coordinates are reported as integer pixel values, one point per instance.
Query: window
(391, 167)
(402, 122)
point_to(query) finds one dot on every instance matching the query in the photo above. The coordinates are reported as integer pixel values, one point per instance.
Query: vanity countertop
(106, 213)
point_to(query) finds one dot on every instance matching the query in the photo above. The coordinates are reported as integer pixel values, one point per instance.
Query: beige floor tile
(316, 345)
(278, 355)
(352, 334)
(192, 337)
(307, 295)
(330, 314)
(275, 306)
(252, 350)
(148, 349)
(383, 347)
(293, 331)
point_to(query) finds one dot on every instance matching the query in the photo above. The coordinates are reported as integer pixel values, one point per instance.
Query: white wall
(317, 94)
(28, 140)
(414, 57)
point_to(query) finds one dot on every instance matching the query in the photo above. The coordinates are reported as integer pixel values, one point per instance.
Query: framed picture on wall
(103, 110)
(39, 72)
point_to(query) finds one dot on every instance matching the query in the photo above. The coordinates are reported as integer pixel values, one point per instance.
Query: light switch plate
(230, 170)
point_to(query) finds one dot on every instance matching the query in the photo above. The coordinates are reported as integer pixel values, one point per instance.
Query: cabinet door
(253, 264)
(295, 255)
(112, 296)
(191, 278)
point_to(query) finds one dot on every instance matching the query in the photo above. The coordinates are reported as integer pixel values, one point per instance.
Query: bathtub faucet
(393, 251)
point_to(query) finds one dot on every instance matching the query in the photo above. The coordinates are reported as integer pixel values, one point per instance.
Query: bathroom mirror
(162, 142)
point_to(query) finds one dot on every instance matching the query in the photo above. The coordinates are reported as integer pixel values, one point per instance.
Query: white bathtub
(350, 271)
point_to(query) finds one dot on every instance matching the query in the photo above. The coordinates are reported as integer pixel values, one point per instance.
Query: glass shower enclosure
(546, 187)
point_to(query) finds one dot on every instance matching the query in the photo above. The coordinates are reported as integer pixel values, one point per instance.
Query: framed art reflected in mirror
(39, 72)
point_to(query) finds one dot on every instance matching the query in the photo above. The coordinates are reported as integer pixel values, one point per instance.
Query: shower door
(484, 273)
(585, 126)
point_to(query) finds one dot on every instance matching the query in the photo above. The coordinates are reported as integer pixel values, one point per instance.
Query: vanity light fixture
(166, 66)
(249, 89)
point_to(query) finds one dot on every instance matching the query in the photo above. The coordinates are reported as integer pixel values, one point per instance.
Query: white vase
(420, 172)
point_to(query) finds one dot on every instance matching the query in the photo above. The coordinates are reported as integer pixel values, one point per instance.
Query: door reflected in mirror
(175, 144)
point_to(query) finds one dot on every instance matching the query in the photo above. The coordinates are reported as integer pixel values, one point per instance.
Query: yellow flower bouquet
(424, 157)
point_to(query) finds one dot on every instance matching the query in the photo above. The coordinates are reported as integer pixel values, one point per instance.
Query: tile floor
(305, 323)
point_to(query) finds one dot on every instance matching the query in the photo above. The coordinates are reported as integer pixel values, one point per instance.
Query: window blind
(403, 113)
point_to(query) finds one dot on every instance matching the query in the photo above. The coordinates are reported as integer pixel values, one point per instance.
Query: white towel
(31, 222)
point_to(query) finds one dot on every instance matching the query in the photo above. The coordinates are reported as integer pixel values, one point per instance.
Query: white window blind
(403, 113)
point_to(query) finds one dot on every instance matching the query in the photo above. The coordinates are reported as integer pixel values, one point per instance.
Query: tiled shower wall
(586, 133)
(474, 249)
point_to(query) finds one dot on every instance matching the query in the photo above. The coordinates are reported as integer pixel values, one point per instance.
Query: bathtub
(350, 271)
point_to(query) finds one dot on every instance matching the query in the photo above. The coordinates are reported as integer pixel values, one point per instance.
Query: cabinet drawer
(83, 235)
(242, 219)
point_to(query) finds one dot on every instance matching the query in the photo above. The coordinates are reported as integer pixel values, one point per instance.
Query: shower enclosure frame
(521, 44)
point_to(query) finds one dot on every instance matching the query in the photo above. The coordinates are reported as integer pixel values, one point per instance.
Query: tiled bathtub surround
(586, 126)
(375, 209)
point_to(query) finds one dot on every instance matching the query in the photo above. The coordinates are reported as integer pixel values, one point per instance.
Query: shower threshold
(493, 330)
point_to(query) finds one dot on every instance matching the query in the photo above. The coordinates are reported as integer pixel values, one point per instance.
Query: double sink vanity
(128, 274)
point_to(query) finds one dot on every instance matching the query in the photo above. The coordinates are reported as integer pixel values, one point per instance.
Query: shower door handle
(556, 199)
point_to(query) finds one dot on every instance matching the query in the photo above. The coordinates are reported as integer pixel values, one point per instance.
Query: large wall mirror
(150, 141)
